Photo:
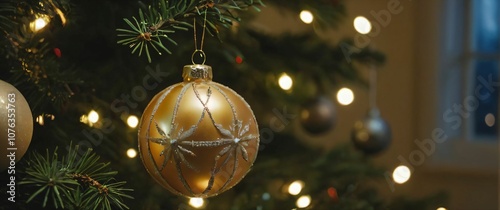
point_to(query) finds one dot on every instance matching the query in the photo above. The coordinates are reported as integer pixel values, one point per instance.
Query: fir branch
(74, 181)
(165, 17)
(29, 56)
(87, 180)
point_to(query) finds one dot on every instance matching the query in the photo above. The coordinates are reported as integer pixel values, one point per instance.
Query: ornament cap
(197, 72)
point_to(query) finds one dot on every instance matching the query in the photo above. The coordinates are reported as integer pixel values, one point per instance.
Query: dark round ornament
(372, 134)
(318, 115)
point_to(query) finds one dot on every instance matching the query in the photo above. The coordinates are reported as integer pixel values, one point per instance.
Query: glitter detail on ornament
(198, 138)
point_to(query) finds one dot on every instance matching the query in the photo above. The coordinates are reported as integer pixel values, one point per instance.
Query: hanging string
(196, 49)
(373, 85)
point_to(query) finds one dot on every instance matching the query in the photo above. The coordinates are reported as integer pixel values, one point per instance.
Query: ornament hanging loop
(202, 55)
(199, 50)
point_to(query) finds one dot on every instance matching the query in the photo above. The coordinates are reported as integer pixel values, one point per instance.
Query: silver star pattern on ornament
(172, 149)
(238, 140)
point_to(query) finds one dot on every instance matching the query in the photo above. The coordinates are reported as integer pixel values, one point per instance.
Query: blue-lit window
(483, 58)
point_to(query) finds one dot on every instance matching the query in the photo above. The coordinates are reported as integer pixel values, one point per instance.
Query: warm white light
(132, 121)
(345, 96)
(362, 25)
(131, 153)
(401, 174)
(40, 120)
(489, 120)
(306, 16)
(303, 201)
(285, 81)
(295, 187)
(196, 202)
(441, 208)
(39, 23)
(93, 116)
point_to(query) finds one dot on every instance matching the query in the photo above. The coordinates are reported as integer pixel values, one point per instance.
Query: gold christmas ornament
(16, 126)
(198, 138)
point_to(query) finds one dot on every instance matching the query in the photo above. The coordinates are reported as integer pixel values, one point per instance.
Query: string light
(131, 153)
(345, 96)
(40, 120)
(401, 174)
(285, 82)
(39, 23)
(295, 187)
(132, 121)
(196, 202)
(362, 25)
(93, 116)
(304, 201)
(306, 16)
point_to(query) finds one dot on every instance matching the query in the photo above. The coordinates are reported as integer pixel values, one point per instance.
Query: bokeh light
(489, 119)
(131, 153)
(401, 174)
(132, 121)
(306, 16)
(345, 96)
(93, 116)
(303, 201)
(295, 187)
(285, 82)
(362, 25)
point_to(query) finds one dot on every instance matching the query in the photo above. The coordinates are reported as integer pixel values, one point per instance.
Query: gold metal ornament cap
(197, 72)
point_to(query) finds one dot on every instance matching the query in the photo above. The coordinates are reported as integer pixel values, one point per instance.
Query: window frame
(461, 151)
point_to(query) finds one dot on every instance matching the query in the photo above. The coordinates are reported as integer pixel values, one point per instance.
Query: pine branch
(74, 181)
(28, 54)
(165, 17)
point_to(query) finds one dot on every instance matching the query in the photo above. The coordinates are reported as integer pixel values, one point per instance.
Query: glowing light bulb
(196, 202)
(441, 208)
(401, 174)
(303, 201)
(132, 121)
(40, 120)
(362, 25)
(131, 153)
(295, 187)
(489, 119)
(306, 16)
(39, 23)
(93, 116)
(285, 82)
(345, 96)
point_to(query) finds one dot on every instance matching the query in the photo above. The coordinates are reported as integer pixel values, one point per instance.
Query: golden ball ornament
(16, 126)
(198, 138)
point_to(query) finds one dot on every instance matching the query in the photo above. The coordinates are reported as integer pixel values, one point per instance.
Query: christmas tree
(88, 70)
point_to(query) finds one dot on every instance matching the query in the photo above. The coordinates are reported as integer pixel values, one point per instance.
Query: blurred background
(313, 72)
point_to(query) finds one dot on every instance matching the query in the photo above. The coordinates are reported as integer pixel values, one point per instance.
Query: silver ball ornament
(372, 134)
